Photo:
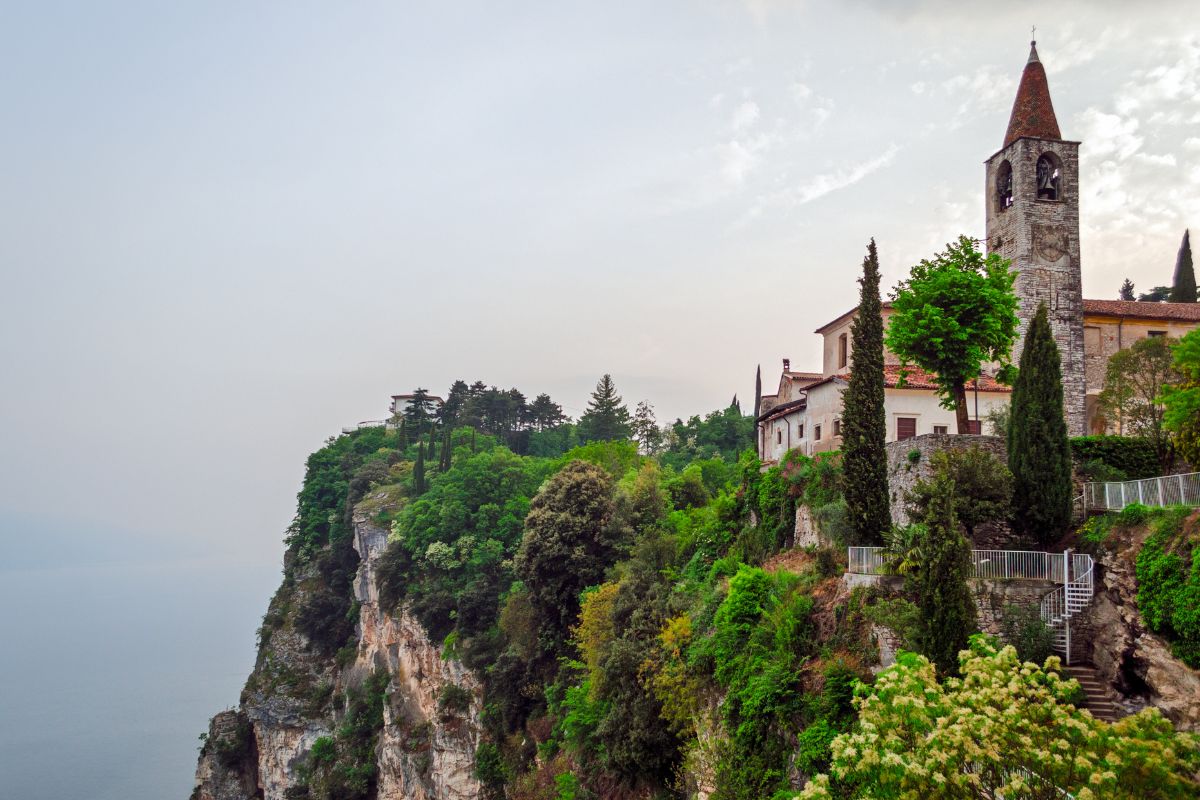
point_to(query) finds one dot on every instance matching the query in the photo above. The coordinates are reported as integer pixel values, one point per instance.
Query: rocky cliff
(297, 697)
(1135, 662)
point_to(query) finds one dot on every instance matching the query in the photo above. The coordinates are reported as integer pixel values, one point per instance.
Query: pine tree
(864, 425)
(606, 417)
(418, 473)
(1039, 454)
(1183, 288)
(947, 609)
(1127, 290)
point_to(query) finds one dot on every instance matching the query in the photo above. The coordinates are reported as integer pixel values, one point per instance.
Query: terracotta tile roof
(1032, 111)
(1179, 312)
(887, 304)
(803, 376)
(920, 379)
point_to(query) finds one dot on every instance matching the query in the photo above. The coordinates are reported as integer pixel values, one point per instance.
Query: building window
(906, 428)
(940, 429)
(1004, 194)
(843, 353)
(800, 431)
(778, 437)
(837, 427)
(1091, 339)
(974, 426)
(1157, 333)
(1049, 178)
(817, 432)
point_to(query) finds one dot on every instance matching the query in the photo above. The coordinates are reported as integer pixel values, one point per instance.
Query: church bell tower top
(1032, 111)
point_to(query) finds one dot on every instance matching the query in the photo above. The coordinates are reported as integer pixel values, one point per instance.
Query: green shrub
(454, 700)
(1133, 457)
(1168, 576)
(1025, 630)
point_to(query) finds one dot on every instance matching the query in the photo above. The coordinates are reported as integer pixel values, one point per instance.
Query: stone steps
(1099, 700)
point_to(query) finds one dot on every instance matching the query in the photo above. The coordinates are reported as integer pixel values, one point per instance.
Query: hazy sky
(228, 229)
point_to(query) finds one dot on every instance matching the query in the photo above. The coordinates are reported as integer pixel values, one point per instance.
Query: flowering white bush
(1006, 729)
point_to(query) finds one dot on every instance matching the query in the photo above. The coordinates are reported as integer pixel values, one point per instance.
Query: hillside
(457, 620)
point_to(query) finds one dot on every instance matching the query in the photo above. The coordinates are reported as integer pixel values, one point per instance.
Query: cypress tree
(447, 451)
(864, 426)
(1039, 454)
(1183, 288)
(418, 473)
(947, 609)
(1127, 291)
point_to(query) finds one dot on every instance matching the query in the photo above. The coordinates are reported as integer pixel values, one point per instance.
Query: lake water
(109, 671)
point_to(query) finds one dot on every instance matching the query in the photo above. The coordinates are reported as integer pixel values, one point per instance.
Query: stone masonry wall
(1041, 238)
(905, 469)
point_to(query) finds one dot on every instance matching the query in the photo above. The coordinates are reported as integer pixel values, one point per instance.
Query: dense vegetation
(630, 595)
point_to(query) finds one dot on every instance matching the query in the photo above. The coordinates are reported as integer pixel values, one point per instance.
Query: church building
(1032, 218)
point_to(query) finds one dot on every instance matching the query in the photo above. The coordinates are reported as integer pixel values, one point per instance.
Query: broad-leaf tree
(954, 313)
(1134, 382)
(1181, 414)
(982, 487)
(1005, 729)
(864, 426)
(1039, 453)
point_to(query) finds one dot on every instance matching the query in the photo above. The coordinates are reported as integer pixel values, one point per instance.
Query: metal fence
(866, 561)
(1166, 490)
(1034, 565)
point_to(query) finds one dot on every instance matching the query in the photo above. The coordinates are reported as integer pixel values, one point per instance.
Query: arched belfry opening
(1049, 177)
(1004, 185)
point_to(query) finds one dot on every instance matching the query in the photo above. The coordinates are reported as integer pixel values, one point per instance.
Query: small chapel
(1032, 218)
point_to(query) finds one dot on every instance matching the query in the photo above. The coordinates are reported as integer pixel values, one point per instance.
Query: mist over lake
(115, 652)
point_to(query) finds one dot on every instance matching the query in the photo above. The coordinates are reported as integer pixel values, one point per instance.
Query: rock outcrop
(426, 749)
(1135, 662)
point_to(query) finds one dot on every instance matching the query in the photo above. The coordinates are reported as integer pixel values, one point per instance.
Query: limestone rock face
(1137, 663)
(439, 765)
(425, 752)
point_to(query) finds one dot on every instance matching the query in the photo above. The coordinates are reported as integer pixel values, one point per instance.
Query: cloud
(1105, 134)
(1066, 50)
(817, 186)
(745, 116)
(1133, 198)
(982, 90)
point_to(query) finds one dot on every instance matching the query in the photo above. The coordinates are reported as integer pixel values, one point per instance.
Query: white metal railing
(1033, 565)
(1074, 571)
(866, 561)
(1165, 490)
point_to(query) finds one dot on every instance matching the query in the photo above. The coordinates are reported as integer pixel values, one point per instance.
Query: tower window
(842, 351)
(1004, 192)
(1049, 178)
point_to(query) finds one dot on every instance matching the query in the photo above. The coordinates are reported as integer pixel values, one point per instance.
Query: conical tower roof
(1032, 111)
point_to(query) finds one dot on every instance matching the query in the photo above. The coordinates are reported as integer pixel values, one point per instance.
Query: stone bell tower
(1033, 219)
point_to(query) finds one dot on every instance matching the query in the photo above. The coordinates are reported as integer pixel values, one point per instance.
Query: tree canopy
(1181, 402)
(1134, 382)
(955, 312)
(1005, 729)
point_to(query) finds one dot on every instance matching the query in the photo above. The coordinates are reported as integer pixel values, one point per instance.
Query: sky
(229, 229)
